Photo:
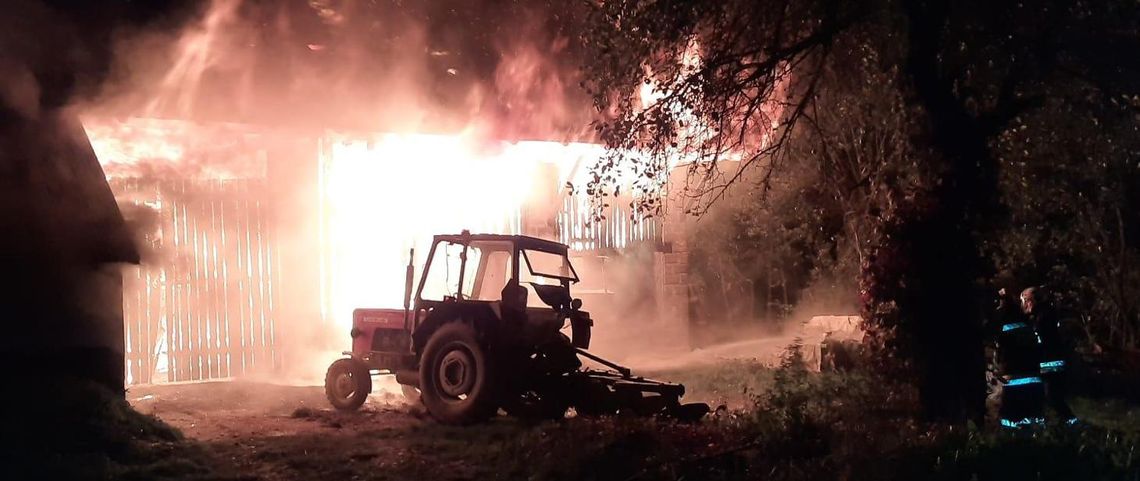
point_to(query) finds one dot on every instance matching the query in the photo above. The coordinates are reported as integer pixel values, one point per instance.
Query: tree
(850, 164)
(706, 81)
(975, 68)
(737, 80)
(1071, 180)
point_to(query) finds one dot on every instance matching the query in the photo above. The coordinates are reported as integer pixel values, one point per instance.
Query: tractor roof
(522, 241)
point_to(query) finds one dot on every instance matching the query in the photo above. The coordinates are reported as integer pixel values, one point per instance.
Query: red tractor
(486, 330)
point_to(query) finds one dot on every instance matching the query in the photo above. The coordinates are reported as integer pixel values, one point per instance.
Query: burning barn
(280, 161)
(258, 243)
(201, 304)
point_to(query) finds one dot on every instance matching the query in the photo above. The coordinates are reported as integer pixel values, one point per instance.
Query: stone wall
(671, 287)
(671, 266)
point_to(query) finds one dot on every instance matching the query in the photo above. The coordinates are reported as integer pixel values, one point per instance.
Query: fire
(174, 149)
(668, 96)
(390, 193)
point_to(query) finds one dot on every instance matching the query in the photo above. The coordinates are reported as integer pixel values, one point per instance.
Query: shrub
(811, 426)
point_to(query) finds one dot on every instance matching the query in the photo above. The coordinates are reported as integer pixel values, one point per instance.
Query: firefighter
(1055, 351)
(1018, 371)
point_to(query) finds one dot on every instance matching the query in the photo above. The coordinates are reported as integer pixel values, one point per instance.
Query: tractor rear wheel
(457, 377)
(347, 384)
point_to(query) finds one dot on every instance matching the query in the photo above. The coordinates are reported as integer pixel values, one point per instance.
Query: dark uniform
(1019, 356)
(1056, 353)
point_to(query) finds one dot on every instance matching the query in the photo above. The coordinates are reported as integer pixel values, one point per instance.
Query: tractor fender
(480, 315)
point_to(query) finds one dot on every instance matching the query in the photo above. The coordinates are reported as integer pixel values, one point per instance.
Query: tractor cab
(517, 286)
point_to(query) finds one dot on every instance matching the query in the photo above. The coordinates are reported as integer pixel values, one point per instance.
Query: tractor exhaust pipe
(409, 273)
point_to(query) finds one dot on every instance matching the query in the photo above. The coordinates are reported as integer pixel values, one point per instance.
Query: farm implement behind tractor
(485, 330)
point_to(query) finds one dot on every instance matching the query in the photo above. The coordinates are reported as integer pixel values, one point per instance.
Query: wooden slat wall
(578, 229)
(202, 302)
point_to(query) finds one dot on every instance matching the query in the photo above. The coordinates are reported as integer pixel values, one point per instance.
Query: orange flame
(389, 193)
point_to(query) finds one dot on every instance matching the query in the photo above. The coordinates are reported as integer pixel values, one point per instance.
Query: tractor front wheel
(456, 376)
(347, 384)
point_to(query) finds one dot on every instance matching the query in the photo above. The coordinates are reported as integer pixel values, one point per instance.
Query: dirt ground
(268, 431)
(271, 432)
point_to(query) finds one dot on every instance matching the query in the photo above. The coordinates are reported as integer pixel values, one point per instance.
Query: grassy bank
(80, 431)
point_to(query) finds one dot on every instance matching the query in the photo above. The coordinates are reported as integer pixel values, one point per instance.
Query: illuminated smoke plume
(508, 71)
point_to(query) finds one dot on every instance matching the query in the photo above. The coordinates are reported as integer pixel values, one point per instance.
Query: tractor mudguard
(479, 313)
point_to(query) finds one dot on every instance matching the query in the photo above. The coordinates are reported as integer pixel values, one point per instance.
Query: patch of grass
(791, 425)
(1113, 414)
(1050, 453)
(605, 448)
(805, 426)
(452, 443)
(730, 382)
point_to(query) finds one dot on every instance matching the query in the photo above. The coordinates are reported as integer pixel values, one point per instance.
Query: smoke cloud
(386, 66)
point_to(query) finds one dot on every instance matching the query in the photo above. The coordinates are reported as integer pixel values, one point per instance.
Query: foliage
(850, 166)
(1071, 181)
(702, 81)
(811, 426)
(773, 250)
(908, 110)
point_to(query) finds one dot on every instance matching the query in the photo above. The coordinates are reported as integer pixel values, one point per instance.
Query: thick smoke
(385, 66)
(729, 277)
